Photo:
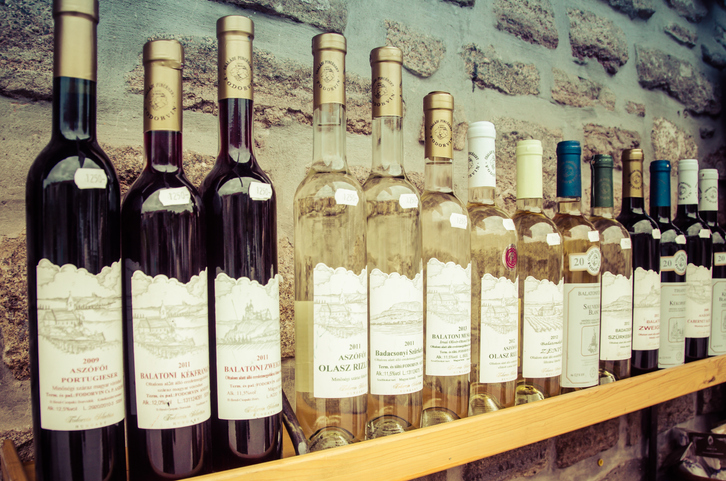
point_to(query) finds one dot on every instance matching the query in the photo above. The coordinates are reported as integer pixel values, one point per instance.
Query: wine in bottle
(244, 293)
(331, 294)
(708, 209)
(581, 271)
(494, 284)
(447, 272)
(673, 261)
(165, 291)
(395, 267)
(699, 248)
(74, 274)
(540, 272)
(616, 276)
(645, 238)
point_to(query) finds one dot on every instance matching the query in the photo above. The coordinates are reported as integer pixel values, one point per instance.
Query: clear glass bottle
(540, 272)
(494, 285)
(331, 294)
(616, 276)
(581, 272)
(395, 299)
(447, 272)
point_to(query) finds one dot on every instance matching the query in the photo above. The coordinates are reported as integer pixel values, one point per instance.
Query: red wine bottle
(165, 291)
(244, 301)
(74, 274)
(708, 208)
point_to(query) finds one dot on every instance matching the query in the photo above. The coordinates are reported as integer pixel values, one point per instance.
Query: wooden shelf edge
(432, 449)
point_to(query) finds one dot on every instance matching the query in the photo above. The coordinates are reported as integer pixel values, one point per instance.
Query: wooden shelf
(429, 450)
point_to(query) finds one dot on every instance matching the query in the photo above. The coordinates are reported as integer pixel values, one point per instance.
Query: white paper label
(656, 233)
(458, 220)
(340, 334)
(698, 301)
(448, 319)
(498, 349)
(346, 197)
(593, 236)
(717, 341)
(625, 243)
(673, 320)
(249, 366)
(543, 328)
(90, 178)
(588, 261)
(553, 239)
(171, 350)
(646, 310)
(508, 224)
(396, 333)
(175, 196)
(676, 263)
(580, 360)
(681, 239)
(80, 347)
(260, 191)
(616, 317)
(719, 258)
(408, 201)
(704, 234)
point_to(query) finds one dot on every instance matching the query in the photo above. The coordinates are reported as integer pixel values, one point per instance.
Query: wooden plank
(12, 468)
(428, 450)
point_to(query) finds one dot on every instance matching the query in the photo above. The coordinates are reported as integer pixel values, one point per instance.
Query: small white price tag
(625, 243)
(175, 196)
(260, 191)
(681, 239)
(90, 179)
(704, 234)
(593, 236)
(408, 201)
(656, 233)
(508, 224)
(719, 258)
(459, 221)
(553, 239)
(346, 197)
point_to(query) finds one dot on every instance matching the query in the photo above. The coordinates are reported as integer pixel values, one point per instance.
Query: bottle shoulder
(691, 226)
(225, 180)
(161, 192)
(668, 232)
(326, 184)
(573, 226)
(637, 223)
(488, 220)
(380, 188)
(60, 159)
(444, 202)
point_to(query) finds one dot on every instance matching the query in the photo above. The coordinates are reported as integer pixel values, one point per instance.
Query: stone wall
(613, 74)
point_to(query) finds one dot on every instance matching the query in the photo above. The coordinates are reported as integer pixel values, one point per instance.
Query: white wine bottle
(581, 264)
(395, 299)
(331, 295)
(494, 285)
(616, 276)
(447, 272)
(708, 208)
(540, 250)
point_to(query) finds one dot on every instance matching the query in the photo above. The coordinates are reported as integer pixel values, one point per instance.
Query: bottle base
(483, 403)
(526, 393)
(437, 415)
(606, 377)
(330, 437)
(385, 426)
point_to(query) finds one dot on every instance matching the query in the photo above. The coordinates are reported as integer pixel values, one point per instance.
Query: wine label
(625, 243)
(459, 221)
(681, 239)
(80, 347)
(408, 201)
(249, 365)
(499, 348)
(646, 309)
(616, 317)
(396, 333)
(719, 258)
(717, 340)
(698, 301)
(656, 233)
(588, 261)
(704, 234)
(171, 350)
(508, 224)
(676, 263)
(580, 360)
(175, 196)
(673, 320)
(90, 178)
(260, 191)
(448, 319)
(553, 239)
(340, 334)
(346, 197)
(482, 166)
(593, 236)
(543, 328)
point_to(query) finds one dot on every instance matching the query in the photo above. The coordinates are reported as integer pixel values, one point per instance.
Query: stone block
(23, 441)
(327, 15)
(659, 70)
(600, 139)
(676, 411)
(14, 306)
(706, 132)
(462, 3)
(670, 142)
(643, 9)
(681, 34)
(580, 92)
(487, 71)
(522, 462)
(531, 20)
(577, 445)
(691, 10)
(713, 57)
(286, 268)
(422, 53)
(635, 108)
(597, 37)
(712, 400)
(632, 470)
(719, 34)
(634, 427)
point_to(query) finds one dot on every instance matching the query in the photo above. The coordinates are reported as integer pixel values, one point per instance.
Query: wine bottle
(395, 267)
(447, 272)
(616, 276)
(581, 271)
(708, 208)
(494, 284)
(165, 291)
(540, 272)
(699, 248)
(645, 238)
(244, 294)
(673, 261)
(74, 274)
(331, 294)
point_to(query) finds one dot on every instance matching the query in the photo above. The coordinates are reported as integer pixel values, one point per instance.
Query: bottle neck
(534, 205)
(329, 123)
(481, 195)
(163, 150)
(687, 210)
(387, 147)
(74, 109)
(439, 175)
(661, 213)
(235, 130)
(606, 212)
(569, 206)
(710, 217)
(635, 205)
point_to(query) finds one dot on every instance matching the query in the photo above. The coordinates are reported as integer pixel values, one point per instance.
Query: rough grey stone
(706, 132)
(580, 92)
(714, 58)
(525, 462)
(634, 427)
(681, 34)
(691, 10)
(531, 20)
(632, 470)
(634, 8)
(671, 142)
(462, 3)
(676, 410)
(14, 306)
(712, 399)
(577, 445)
(597, 37)
(488, 71)
(23, 441)
(658, 70)
(720, 34)
(635, 108)
(422, 53)
(328, 15)
(600, 139)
